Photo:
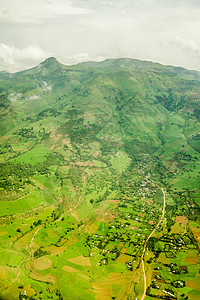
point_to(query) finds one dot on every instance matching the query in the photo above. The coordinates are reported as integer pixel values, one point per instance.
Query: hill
(91, 157)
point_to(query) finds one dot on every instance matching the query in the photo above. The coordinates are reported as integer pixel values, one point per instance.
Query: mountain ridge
(137, 63)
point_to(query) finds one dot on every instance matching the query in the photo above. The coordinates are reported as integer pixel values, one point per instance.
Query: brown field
(3, 233)
(29, 290)
(3, 273)
(80, 260)
(3, 137)
(192, 260)
(154, 274)
(28, 265)
(42, 263)
(149, 275)
(182, 219)
(69, 269)
(193, 297)
(123, 250)
(3, 286)
(83, 276)
(43, 278)
(113, 201)
(55, 250)
(85, 164)
(194, 283)
(24, 241)
(92, 228)
(51, 233)
(124, 258)
(141, 215)
(72, 240)
(103, 288)
(103, 293)
(114, 282)
(195, 231)
(115, 278)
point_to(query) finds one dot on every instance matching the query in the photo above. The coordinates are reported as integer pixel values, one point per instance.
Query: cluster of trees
(14, 176)
(26, 133)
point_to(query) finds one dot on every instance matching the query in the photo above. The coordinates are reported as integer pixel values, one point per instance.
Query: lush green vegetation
(86, 152)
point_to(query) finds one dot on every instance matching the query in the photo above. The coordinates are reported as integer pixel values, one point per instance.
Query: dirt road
(145, 246)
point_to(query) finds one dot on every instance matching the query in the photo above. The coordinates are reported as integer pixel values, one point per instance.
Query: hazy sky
(166, 31)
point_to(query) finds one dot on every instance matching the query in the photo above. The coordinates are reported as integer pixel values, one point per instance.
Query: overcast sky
(166, 31)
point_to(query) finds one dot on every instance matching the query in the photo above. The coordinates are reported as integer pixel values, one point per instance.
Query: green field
(26, 203)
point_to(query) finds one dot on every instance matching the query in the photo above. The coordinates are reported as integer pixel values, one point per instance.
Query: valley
(99, 182)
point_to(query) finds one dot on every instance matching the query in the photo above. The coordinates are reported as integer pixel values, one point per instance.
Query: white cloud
(80, 57)
(188, 45)
(37, 11)
(81, 30)
(13, 59)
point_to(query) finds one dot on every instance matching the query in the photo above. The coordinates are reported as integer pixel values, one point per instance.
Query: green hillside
(99, 181)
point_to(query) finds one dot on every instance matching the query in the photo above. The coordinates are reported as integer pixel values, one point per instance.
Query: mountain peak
(50, 62)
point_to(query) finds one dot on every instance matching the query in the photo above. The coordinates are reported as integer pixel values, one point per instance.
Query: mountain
(99, 181)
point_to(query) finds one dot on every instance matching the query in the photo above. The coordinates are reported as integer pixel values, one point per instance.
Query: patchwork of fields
(99, 183)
